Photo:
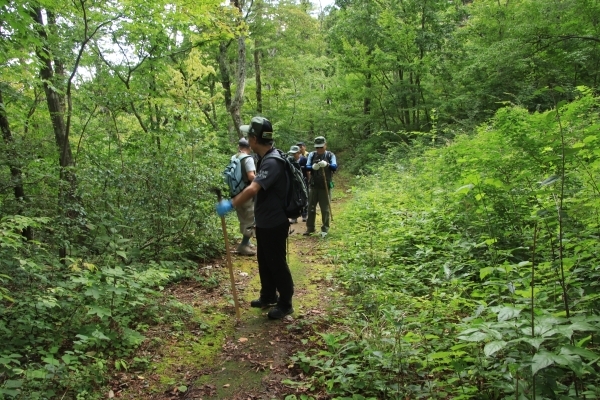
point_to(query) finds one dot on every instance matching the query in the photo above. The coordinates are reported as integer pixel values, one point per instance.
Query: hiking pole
(229, 264)
(287, 244)
(327, 193)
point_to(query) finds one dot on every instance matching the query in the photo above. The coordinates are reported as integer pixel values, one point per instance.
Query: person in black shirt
(272, 224)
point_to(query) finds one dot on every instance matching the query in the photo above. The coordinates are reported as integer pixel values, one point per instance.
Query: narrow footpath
(213, 356)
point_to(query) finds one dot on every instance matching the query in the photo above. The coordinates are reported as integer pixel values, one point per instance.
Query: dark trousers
(275, 275)
(318, 196)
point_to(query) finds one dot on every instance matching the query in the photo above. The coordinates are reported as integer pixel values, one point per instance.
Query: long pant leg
(324, 205)
(313, 200)
(245, 214)
(275, 275)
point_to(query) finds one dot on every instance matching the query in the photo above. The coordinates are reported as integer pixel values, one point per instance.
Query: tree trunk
(238, 100)
(68, 200)
(259, 105)
(13, 164)
(224, 70)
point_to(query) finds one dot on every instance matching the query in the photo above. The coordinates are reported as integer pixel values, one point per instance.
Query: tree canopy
(118, 117)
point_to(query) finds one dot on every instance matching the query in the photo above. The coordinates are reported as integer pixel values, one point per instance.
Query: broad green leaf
(541, 360)
(485, 271)
(13, 384)
(493, 347)
(475, 337)
(583, 327)
(585, 353)
(99, 311)
(506, 313)
(535, 342)
(93, 292)
(100, 335)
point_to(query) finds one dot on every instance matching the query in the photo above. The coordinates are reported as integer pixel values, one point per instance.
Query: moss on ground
(190, 350)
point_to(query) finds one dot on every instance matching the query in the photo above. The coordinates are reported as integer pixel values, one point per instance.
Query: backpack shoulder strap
(241, 158)
(276, 153)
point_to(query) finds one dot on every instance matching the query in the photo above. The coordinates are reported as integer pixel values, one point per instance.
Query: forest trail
(214, 357)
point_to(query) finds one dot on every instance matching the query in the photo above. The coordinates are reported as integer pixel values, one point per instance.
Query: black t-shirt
(269, 208)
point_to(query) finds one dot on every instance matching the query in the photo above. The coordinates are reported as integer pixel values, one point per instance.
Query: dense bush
(63, 327)
(473, 267)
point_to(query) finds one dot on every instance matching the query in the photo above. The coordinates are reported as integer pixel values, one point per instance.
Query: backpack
(234, 175)
(296, 198)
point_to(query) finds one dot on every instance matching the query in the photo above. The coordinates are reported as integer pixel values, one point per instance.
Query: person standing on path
(272, 225)
(318, 161)
(245, 211)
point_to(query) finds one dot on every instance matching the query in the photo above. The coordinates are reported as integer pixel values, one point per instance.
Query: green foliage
(61, 325)
(453, 263)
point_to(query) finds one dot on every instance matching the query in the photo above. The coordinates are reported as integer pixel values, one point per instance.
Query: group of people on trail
(317, 168)
(260, 207)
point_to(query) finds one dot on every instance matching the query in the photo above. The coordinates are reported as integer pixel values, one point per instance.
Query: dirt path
(210, 356)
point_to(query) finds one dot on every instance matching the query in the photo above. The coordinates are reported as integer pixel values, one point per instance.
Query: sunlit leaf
(493, 347)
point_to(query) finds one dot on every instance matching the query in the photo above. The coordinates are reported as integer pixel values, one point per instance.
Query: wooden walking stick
(327, 193)
(229, 263)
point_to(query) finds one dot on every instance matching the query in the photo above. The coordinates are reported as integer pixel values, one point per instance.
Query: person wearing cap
(303, 151)
(245, 211)
(320, 164)
(295, 156)
(272, 225)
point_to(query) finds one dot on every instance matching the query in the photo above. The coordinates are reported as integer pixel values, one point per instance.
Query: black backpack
(296, 198)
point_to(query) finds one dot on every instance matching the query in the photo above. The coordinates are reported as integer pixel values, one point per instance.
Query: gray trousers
(318, 196)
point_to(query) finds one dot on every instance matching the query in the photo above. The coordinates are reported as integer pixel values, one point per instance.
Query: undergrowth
(65, 327)
(473, 268)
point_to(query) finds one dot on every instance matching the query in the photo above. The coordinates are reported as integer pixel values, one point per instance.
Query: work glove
(223, 207)
(323, 163)
(316, 166)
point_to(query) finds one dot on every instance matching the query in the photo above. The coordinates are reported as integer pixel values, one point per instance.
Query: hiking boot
(308, 233)
(261, 303)
(279, 312)
(293, 220)
(245, 250)
(323, 234)
(304, 219)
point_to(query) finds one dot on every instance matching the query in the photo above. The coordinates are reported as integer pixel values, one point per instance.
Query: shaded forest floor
(211, 356)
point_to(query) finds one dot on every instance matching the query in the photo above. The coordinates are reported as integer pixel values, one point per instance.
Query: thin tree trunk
(259, 103)
(13, 164)
(238, 100)
(224, 70)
